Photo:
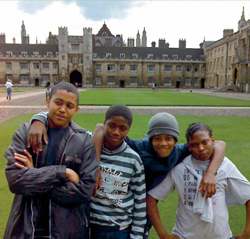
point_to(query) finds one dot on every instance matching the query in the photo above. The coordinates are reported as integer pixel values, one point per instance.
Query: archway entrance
(76, 78)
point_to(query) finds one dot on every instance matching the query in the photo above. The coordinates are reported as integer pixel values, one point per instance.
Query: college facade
(104, 60)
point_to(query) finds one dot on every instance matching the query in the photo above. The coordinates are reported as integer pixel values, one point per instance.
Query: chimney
(227, 32)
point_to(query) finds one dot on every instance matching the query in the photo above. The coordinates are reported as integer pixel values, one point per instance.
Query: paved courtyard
(31, 102)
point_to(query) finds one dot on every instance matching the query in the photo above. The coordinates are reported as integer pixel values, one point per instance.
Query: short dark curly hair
(63, 85)
(194, 127)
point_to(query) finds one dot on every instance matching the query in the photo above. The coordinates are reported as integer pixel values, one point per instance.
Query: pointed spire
(243, 14)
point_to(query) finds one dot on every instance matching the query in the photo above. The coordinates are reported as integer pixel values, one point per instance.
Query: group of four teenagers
(54, 182)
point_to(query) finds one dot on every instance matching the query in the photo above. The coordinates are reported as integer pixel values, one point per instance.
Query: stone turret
(242, 22)
(138, 39)
(63, 52)
(87, 55)
(25, 39)
(144, 38)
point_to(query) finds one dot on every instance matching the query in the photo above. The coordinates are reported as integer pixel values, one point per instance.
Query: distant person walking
(8, 86)
(48, 89)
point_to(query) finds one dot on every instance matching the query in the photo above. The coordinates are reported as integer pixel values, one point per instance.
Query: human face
(163, 144)
(201, 145)
(115, 131)
(62, 106)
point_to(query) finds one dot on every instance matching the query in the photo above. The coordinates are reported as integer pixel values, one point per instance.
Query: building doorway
(76, 78)
(202, 83)
(37, 82)
(235, 76)
(177, 84)
(122, 83)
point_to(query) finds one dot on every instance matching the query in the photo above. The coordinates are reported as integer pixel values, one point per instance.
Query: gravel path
(31, 102)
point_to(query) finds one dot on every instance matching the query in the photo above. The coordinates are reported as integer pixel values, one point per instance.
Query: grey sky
(92, 9)
(166, 19)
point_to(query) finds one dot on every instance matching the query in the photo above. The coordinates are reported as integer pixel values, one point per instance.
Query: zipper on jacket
(63, 153)
(32, 218)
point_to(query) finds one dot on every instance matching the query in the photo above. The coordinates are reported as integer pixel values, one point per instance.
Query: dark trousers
(108, 232)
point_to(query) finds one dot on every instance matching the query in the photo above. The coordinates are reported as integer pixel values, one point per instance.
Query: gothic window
(122, 55)
(167, 81)
(98, 67)
(188, 68)
(175, 57)
(8, 66)
(122, 67)
(98, 80)
(165, 56)
(45, 65)
(24, 53)
(75, 47)
(178, 68)
(133, 79)
(187, 82)
(108, 55)
(104, 34)
(150, 56)
(167, 67)
(133, 67)
(188, 57)
(9, 53)
(134, 55)
(36, 53)
(36, 65)
(111, 67)
(111, 80)
(49, 54)
(24, 78)
(24, 66)
(151, 67)
(55, 65)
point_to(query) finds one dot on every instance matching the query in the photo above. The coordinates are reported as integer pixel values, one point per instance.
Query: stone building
(104, 60)
(228, 59)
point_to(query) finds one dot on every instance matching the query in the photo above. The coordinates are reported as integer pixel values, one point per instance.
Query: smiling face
(201, 145)
(115, 131)
(61, 106)
(163, 144)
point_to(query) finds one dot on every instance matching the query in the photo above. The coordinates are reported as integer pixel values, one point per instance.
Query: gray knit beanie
(163, 123)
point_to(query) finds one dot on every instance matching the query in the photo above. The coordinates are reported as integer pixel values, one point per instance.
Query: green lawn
(234, 130)
(157, 97)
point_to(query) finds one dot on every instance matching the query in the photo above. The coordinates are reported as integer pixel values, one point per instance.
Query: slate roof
(143, 52)
(17, 49)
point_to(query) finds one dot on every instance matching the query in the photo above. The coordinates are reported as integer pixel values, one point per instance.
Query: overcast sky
(170, 20)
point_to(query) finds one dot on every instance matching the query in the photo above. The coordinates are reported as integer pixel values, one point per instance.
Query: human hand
(72, 176)
(36, 135)
(207, 185)
(23, 160)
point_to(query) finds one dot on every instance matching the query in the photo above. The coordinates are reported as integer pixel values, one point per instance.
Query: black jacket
(69, 202)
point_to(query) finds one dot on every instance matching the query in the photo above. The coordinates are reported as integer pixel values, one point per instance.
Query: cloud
(91, 9)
